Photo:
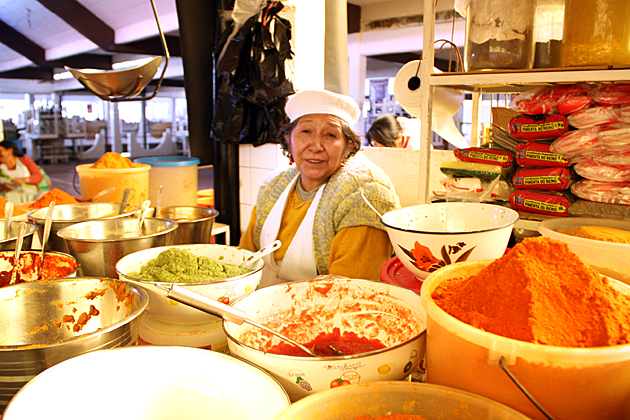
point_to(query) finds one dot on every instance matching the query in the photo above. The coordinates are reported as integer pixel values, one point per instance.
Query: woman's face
(5, 153)
(318, 147)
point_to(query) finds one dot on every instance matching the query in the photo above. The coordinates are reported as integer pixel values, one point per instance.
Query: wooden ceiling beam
(21, 44)
(31, 73)
(83, 21)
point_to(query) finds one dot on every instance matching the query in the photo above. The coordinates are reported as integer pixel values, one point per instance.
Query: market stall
(469, 319)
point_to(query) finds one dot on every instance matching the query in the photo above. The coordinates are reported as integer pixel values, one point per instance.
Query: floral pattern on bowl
(423, 259)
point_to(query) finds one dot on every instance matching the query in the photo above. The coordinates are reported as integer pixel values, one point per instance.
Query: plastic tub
(205, 336)
(570, 383)
(391, 398)
(93, 181)
(608, 258)
(178, 177)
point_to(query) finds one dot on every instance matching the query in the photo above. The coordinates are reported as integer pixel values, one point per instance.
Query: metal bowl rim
(135, 238)
(144, 302)
(117, 216)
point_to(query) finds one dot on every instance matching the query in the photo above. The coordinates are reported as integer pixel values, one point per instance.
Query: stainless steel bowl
(195, 223)
(33, 336)
(9, 243)
(99, 244)
(69, 214)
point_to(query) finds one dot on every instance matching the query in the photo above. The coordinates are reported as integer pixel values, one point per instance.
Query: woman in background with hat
(315, 206)
(19, 176)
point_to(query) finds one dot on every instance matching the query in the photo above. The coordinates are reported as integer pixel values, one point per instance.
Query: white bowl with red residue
(301, 310)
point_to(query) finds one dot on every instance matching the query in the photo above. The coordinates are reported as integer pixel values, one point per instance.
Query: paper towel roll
(444, 99)
(446, 102)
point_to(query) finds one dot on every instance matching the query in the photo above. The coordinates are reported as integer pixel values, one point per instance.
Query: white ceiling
(131, 20)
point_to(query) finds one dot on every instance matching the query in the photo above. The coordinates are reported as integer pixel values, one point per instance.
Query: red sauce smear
(347, 343)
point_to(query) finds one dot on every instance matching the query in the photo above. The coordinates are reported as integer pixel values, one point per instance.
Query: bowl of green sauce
(208, 269)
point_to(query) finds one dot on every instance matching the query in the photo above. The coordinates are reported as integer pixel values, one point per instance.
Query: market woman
(19, 176)
(315, 207)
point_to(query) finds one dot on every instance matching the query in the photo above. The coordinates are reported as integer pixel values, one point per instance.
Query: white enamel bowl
(169, 311)
(150, 383)
(427, 237)
(302, 310)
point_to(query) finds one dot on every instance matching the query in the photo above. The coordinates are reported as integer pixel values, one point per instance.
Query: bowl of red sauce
(56, 265)
(363, 330)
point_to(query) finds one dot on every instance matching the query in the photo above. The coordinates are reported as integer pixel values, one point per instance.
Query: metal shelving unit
(504, 81)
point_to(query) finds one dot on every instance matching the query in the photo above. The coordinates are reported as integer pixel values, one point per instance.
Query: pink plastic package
(591, 117)
(602, 192)
(576, 142)
(615, 136)
(592, 169)
(537, 101)
(611, 94)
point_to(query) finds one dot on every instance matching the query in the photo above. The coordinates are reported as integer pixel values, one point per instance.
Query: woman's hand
(6, 187)
(19, 181)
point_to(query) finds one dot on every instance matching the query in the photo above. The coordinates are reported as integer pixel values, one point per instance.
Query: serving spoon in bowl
(45, 236)
(226, 312)
(261, 253)
(8, 214)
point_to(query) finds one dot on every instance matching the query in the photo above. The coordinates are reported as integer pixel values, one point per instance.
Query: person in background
(315, 206)
(386, 131)
(19, 174)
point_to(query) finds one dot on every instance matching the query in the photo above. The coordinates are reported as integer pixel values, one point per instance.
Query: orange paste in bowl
(540, 292)
(56, 266)
(112, 160)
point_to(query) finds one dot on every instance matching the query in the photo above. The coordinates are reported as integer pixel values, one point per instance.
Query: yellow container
(596, 33)
(570, 383)
(93, 181)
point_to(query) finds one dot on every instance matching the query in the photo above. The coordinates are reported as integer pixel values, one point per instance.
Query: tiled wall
(255, 165)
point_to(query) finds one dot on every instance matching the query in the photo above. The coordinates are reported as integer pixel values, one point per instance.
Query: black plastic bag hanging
(253, 87)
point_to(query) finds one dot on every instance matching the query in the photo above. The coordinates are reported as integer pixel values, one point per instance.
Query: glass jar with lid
(499, 33)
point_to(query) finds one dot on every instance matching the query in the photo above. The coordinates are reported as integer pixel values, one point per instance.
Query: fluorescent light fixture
(62, 76)
(131, 63)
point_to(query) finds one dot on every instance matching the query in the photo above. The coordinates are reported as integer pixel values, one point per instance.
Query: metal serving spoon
(143, 212)
(123, 202)
(158, 201)
(226, 312)
(18, 249)
(45, 236)
(261, 253)
(8, 214)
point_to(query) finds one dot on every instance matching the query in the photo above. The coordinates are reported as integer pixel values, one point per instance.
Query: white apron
(20, 193)
(299, 263)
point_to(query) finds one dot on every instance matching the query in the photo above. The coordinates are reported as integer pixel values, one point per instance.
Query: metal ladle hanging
(124, 85)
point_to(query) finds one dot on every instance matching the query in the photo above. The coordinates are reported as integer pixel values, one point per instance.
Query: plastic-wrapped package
(572, 98)
(611, 94)
(574, 143)
(542, 179)
(486, 156)
(537, 101)
(592, 169)
(585, 208)
(470, 189)
(615, 137)
(602, 192)
(553, 203)
(608, 158)
(591, 117)
(539, 154)
(538, 127)
(624, 113)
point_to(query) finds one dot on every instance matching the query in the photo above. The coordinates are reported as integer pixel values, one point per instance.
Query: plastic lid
(168, 161)
(394, 272)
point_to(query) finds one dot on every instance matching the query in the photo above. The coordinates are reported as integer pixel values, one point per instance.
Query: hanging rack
(125, 85)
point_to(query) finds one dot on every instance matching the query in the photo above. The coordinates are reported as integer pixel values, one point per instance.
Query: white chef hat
(307, 102)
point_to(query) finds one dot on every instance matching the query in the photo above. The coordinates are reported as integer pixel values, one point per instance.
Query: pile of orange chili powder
(543, 293)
